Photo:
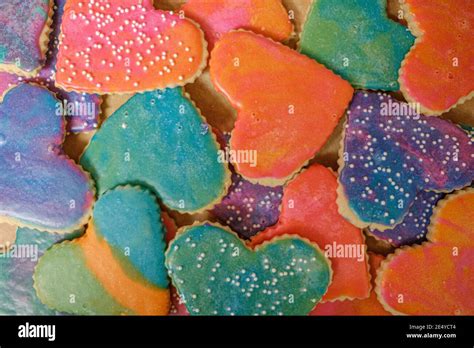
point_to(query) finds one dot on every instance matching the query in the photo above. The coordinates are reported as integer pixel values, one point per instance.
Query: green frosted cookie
(358, 41)
(216, 274)
(17, 295)
(117, 267)
(159, 140)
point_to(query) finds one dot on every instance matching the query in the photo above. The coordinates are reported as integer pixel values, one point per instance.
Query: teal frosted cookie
(216, 274)
(117, 267)
(358, 41)
(159, 140)
(17, 263)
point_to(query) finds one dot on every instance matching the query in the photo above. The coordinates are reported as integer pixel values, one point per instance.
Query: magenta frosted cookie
(41, 187)
(81, 110)
(24, 28)
(390, 153)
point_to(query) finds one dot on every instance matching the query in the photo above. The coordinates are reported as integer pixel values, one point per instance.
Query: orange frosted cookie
(309, 210)
(367, 306)
(436, 278)
(217, 17)
(438, 72)
(288, 104)
(124, 46)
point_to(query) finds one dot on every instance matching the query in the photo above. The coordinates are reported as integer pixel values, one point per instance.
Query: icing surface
(438, 72)
(40, 186)
(309, 210)
(126, 46)
(82, 110)
(217, 17)
(159, 140)
(17, 295)
(291, 121)
(117, 267)
(366, 306)
(358, 41)
(391, 153)
(217, 275)
(248, 208)
(22, 24)
(436, 278)
(414, 226)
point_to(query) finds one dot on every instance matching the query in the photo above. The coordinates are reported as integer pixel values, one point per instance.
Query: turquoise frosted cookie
(159, 139)
(216, 274)
(40, 187)
(117, 267)
(23, 34)
(17, 295)
(358, 41)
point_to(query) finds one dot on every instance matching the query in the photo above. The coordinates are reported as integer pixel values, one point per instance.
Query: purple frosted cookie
(81, 110)
(249, 208)
(24, 31)
(414, 227)
(390, 153)
(40, 187)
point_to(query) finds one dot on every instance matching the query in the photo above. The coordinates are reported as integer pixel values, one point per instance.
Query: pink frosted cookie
(217, 17)
(366, 306)
(126, 46)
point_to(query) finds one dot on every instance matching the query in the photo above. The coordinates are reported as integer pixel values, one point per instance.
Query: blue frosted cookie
(159, 140)
(391, 153)
(40, 186)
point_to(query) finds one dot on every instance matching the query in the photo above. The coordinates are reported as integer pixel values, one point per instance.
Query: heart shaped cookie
(216, 274)
(217, 17)
(288, 104)
(117, 267)
(81, 110)
(351, 307)
(41, 188)
(159, 140)
(125, 46)
(309, 210)
(436, 278)
(438, 72)
(17, 295)
(358, 41)
(24, 30)
(390, 153)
